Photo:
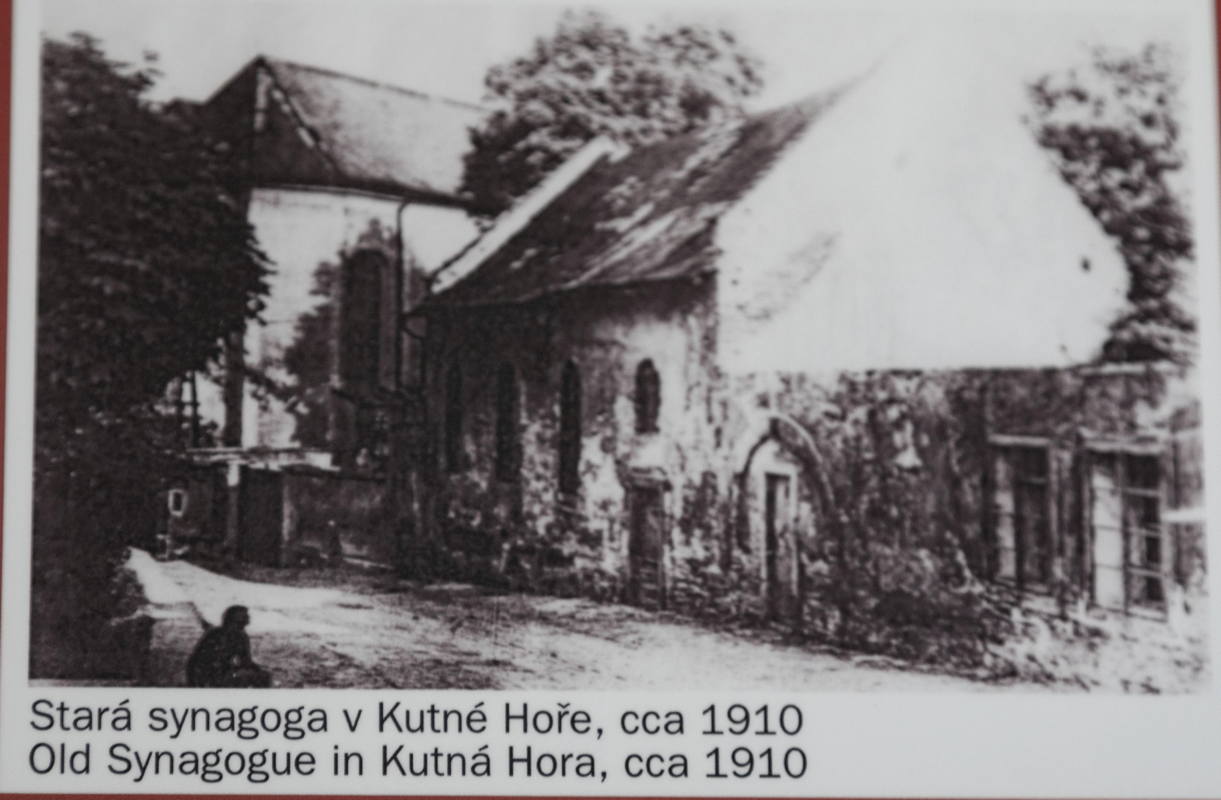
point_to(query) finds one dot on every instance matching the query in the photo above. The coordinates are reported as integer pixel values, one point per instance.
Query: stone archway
(783, 501)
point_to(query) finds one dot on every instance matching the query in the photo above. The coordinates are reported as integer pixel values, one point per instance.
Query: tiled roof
(340, 130)
(648, 216)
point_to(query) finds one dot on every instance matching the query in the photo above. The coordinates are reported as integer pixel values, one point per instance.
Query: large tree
(593, 77)
(146, 261)
(146, 264)
(1113, 129)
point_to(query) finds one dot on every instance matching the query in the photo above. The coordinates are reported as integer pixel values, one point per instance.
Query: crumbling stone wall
(901, 552)
(526, 527)
(886, 534)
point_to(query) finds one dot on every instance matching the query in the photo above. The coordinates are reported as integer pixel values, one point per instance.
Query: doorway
(261, 516)
(779, 554)
(646, 545)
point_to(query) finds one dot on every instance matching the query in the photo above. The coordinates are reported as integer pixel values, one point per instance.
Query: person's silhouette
(222, 656)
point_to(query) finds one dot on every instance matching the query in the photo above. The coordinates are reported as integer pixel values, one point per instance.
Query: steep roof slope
(906, 221)
(648, 216)
(310, 126)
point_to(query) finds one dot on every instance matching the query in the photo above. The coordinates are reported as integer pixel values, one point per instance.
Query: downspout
(401, 322)
(399, 274)
(397, 472)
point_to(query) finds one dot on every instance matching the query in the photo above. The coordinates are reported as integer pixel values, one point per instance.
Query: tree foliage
(593, 77)
(146, 261)
(145, 264)
(1113, 129)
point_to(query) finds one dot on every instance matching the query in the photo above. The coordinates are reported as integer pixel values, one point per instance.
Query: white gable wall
(299, 229)
(916, 225)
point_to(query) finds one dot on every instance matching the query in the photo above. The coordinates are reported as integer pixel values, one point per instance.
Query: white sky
(446, 48)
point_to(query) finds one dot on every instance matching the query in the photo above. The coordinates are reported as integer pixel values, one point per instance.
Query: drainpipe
(399, 275)
(402, 325)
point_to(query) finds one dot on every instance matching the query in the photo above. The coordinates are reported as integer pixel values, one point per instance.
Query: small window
(648, 397)
(453, 418)
(177, 502)
(1021, 513)
(570, 429)
(508, 433)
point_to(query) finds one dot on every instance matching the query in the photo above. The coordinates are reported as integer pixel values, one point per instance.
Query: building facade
(746, 370)
(351, 187)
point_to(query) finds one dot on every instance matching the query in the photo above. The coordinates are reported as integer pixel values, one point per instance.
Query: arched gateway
(781, 494)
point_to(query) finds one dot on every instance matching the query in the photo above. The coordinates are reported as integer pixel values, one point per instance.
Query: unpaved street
(352, 629)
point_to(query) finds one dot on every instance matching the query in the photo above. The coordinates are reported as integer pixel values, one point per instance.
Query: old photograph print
(605, 347)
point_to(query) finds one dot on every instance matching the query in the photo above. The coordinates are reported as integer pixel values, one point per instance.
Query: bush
(907, 603)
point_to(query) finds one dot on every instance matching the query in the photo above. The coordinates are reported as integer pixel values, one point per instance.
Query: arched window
(648, 397)
(453, 418)
(508, 433)
(361, 321)
(570, 429)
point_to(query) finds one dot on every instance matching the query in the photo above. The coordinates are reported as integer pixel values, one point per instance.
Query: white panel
(1007, 566)
(1106, 509)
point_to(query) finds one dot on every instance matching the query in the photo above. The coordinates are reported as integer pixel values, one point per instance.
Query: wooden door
(779, 553)
(261, 516)
(646, 546)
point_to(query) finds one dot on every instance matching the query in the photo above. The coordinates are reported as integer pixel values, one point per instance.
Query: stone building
(703, 373)
(351, 188)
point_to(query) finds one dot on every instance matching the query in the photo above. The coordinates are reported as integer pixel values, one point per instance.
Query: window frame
(647, 397)
(1131, 539)
(362, 358)
(1008, 447)
(176, 501)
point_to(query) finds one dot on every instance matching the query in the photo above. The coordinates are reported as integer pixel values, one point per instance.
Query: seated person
(222, 657)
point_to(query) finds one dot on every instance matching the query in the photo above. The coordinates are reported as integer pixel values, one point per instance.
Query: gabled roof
(304, 125)
(648, 216)
(908, 220)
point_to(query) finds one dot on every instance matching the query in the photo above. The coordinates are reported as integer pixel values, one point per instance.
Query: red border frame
(6, 70)
(6, 126)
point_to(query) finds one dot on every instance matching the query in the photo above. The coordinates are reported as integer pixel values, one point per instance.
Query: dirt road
(351, 629)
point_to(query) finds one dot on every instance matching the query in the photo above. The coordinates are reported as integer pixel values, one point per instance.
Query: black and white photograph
(619, 347)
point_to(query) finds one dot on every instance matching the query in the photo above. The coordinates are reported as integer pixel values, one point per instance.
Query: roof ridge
(811, 104)
(273, 61)
(683, 184)
(232, 79)
(299, 117)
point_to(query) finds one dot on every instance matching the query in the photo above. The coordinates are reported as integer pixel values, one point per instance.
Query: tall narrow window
(1023, 523)
(1132, 554)
(1147, 551)
(361, 321)
(453, 418)
(648, 397)
(570, 429)
(508, 433)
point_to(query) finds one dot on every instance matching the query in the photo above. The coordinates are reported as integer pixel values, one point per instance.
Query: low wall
(333, 516)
